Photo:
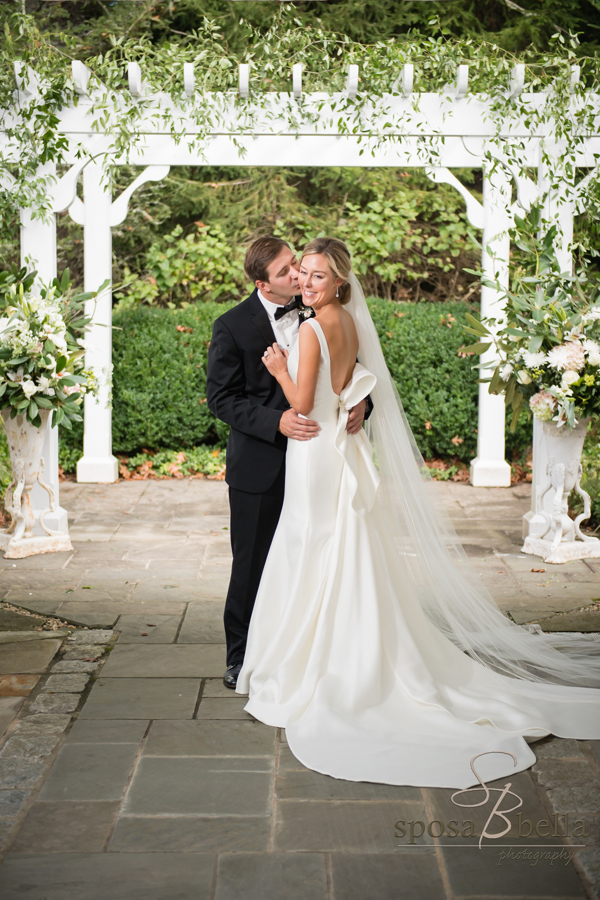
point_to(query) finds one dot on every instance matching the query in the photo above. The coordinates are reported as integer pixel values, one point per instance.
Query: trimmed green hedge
(438, 388)
(159, 378)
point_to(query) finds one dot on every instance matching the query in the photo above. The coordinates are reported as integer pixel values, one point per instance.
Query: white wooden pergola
(441, 131)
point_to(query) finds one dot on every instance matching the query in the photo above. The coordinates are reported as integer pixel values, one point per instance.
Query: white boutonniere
(306, 312)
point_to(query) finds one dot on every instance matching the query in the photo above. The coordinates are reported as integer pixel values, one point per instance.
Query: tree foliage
(512, 26)
(409, 239)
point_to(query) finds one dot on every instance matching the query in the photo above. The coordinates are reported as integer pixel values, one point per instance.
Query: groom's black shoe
(231, 675)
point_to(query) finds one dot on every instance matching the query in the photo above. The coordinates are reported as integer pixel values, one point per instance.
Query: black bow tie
(284, 310)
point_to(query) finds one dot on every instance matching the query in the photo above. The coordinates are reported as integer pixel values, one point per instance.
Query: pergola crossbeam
(81, 76)
(244, 81)
(134, 78)
(189, 80)
(517, 81)
(462, 82)
(352, 81)
(297, 80)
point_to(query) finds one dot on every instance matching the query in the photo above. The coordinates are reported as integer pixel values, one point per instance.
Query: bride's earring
(337, 292)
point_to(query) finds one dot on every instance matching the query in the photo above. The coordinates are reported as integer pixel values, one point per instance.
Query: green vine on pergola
(569, 108)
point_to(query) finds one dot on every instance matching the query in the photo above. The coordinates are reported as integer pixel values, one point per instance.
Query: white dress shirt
(286, 327)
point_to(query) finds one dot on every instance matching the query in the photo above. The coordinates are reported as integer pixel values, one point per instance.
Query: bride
(371, 642)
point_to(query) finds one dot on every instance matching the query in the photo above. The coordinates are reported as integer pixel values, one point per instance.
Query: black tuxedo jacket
(241, 392)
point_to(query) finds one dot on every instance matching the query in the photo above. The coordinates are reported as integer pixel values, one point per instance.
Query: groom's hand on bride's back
(297, 427)
(356, 417)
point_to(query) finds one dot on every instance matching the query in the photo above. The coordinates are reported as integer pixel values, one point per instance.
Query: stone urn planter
(25, 443)
(562, 540)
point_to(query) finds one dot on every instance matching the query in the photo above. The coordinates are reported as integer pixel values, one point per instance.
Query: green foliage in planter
(159, 377)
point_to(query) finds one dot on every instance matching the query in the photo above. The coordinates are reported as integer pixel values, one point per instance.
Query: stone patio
(128, 771)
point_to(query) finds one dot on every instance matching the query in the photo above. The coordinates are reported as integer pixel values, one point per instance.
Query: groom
(241, 392)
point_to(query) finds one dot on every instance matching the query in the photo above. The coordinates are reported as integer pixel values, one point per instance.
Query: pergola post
(98, 463)
(558, 209)
(38, 249)
(489, 468)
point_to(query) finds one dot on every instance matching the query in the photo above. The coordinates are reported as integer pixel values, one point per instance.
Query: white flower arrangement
(570, 356)
(41, 352)
(577, 363)
(547, 348)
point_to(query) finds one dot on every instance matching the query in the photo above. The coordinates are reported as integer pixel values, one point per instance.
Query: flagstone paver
(148, 628)
(91, 876)
(192, 834)
(166, 661)
(75, 827)
(410, 876)
(142, 698)
(210, 739)
(27, 656)
(278, 876)
(201, 786)
(164, 787)
(529, 875)
(98, 771)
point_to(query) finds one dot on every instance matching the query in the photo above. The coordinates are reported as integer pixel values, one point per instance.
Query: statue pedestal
(557, 538)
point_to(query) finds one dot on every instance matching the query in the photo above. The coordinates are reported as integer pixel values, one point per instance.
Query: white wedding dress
(342, 652)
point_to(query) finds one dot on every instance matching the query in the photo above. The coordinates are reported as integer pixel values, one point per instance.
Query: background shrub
(590, 479)
(438, 387)
(159, 383)
(5, 470)
(201, 264)
(159, 378)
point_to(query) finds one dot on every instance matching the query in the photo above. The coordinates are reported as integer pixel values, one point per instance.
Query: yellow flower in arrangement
(589, 380)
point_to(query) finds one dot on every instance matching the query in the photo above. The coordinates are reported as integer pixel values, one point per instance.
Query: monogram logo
(498, 818)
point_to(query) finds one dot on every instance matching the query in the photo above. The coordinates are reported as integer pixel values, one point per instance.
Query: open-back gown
(367, 688)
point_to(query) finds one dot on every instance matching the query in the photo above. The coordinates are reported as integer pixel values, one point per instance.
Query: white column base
(565, 552)
(490, 473)
(24, 547)
(534, 525)
(98, 469)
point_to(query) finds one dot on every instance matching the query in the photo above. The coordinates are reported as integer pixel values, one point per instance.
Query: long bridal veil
(436, 565)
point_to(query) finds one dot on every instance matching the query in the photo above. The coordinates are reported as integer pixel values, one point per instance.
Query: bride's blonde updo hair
(338, 257)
